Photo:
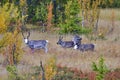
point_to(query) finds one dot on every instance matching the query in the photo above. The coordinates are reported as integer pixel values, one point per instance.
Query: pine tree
(72, 19)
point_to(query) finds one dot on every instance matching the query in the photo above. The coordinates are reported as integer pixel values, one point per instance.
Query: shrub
(10, 44)
(100, 69)
(65, 73)
(50, 68)
(13, 73)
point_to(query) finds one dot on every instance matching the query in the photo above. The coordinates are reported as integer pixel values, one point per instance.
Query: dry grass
(109, 49)
(106, 14)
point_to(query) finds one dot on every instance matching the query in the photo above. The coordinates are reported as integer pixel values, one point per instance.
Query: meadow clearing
(108, 47)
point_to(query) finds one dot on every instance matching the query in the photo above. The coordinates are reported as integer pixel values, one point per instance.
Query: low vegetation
(58, 72)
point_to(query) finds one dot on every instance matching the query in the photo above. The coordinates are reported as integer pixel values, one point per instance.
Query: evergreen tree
(72, 19)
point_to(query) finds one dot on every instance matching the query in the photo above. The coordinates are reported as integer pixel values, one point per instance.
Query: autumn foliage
(8, 13)
(50, 68)
(91, 11)
(50, 15)
(10, 44)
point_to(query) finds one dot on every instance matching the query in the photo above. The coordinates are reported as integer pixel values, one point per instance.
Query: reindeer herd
(75, 43)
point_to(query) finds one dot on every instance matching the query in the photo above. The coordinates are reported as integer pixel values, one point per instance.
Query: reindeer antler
(23, 34)
(60, 37)
(28, 34)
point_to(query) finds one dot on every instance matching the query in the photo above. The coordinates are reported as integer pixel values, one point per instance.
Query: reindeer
(35, 44)
(76, 39)
(84, 47)
(65, 44)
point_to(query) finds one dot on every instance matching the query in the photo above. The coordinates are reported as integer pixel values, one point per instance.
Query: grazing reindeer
(84, 47)
(65, 44)
(35, 44)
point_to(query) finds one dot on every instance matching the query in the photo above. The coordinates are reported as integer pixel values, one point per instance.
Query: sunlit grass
(107, 14)
(109, 49)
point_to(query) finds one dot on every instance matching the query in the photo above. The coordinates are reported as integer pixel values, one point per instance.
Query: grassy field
(109, 48)
(107, 14)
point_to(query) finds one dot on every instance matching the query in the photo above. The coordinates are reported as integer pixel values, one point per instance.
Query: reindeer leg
(82, 49)
(32, 50)
(46, 50)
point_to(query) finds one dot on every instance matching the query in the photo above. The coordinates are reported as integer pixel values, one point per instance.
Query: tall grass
(73, 58)
(107, 13)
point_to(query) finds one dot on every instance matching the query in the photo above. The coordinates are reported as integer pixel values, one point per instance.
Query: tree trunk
(50, 15)
(43, 72)
(97, 20)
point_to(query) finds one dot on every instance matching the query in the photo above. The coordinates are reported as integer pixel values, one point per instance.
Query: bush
(100, 69)
(65, 73)
(13, 73)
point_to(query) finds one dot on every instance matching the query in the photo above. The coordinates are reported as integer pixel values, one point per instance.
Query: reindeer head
(26, 39)
(60, 40)
(77, 40)
(65, 44)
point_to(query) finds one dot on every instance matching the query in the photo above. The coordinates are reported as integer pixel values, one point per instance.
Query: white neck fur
(26, 41)
(75, 47)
